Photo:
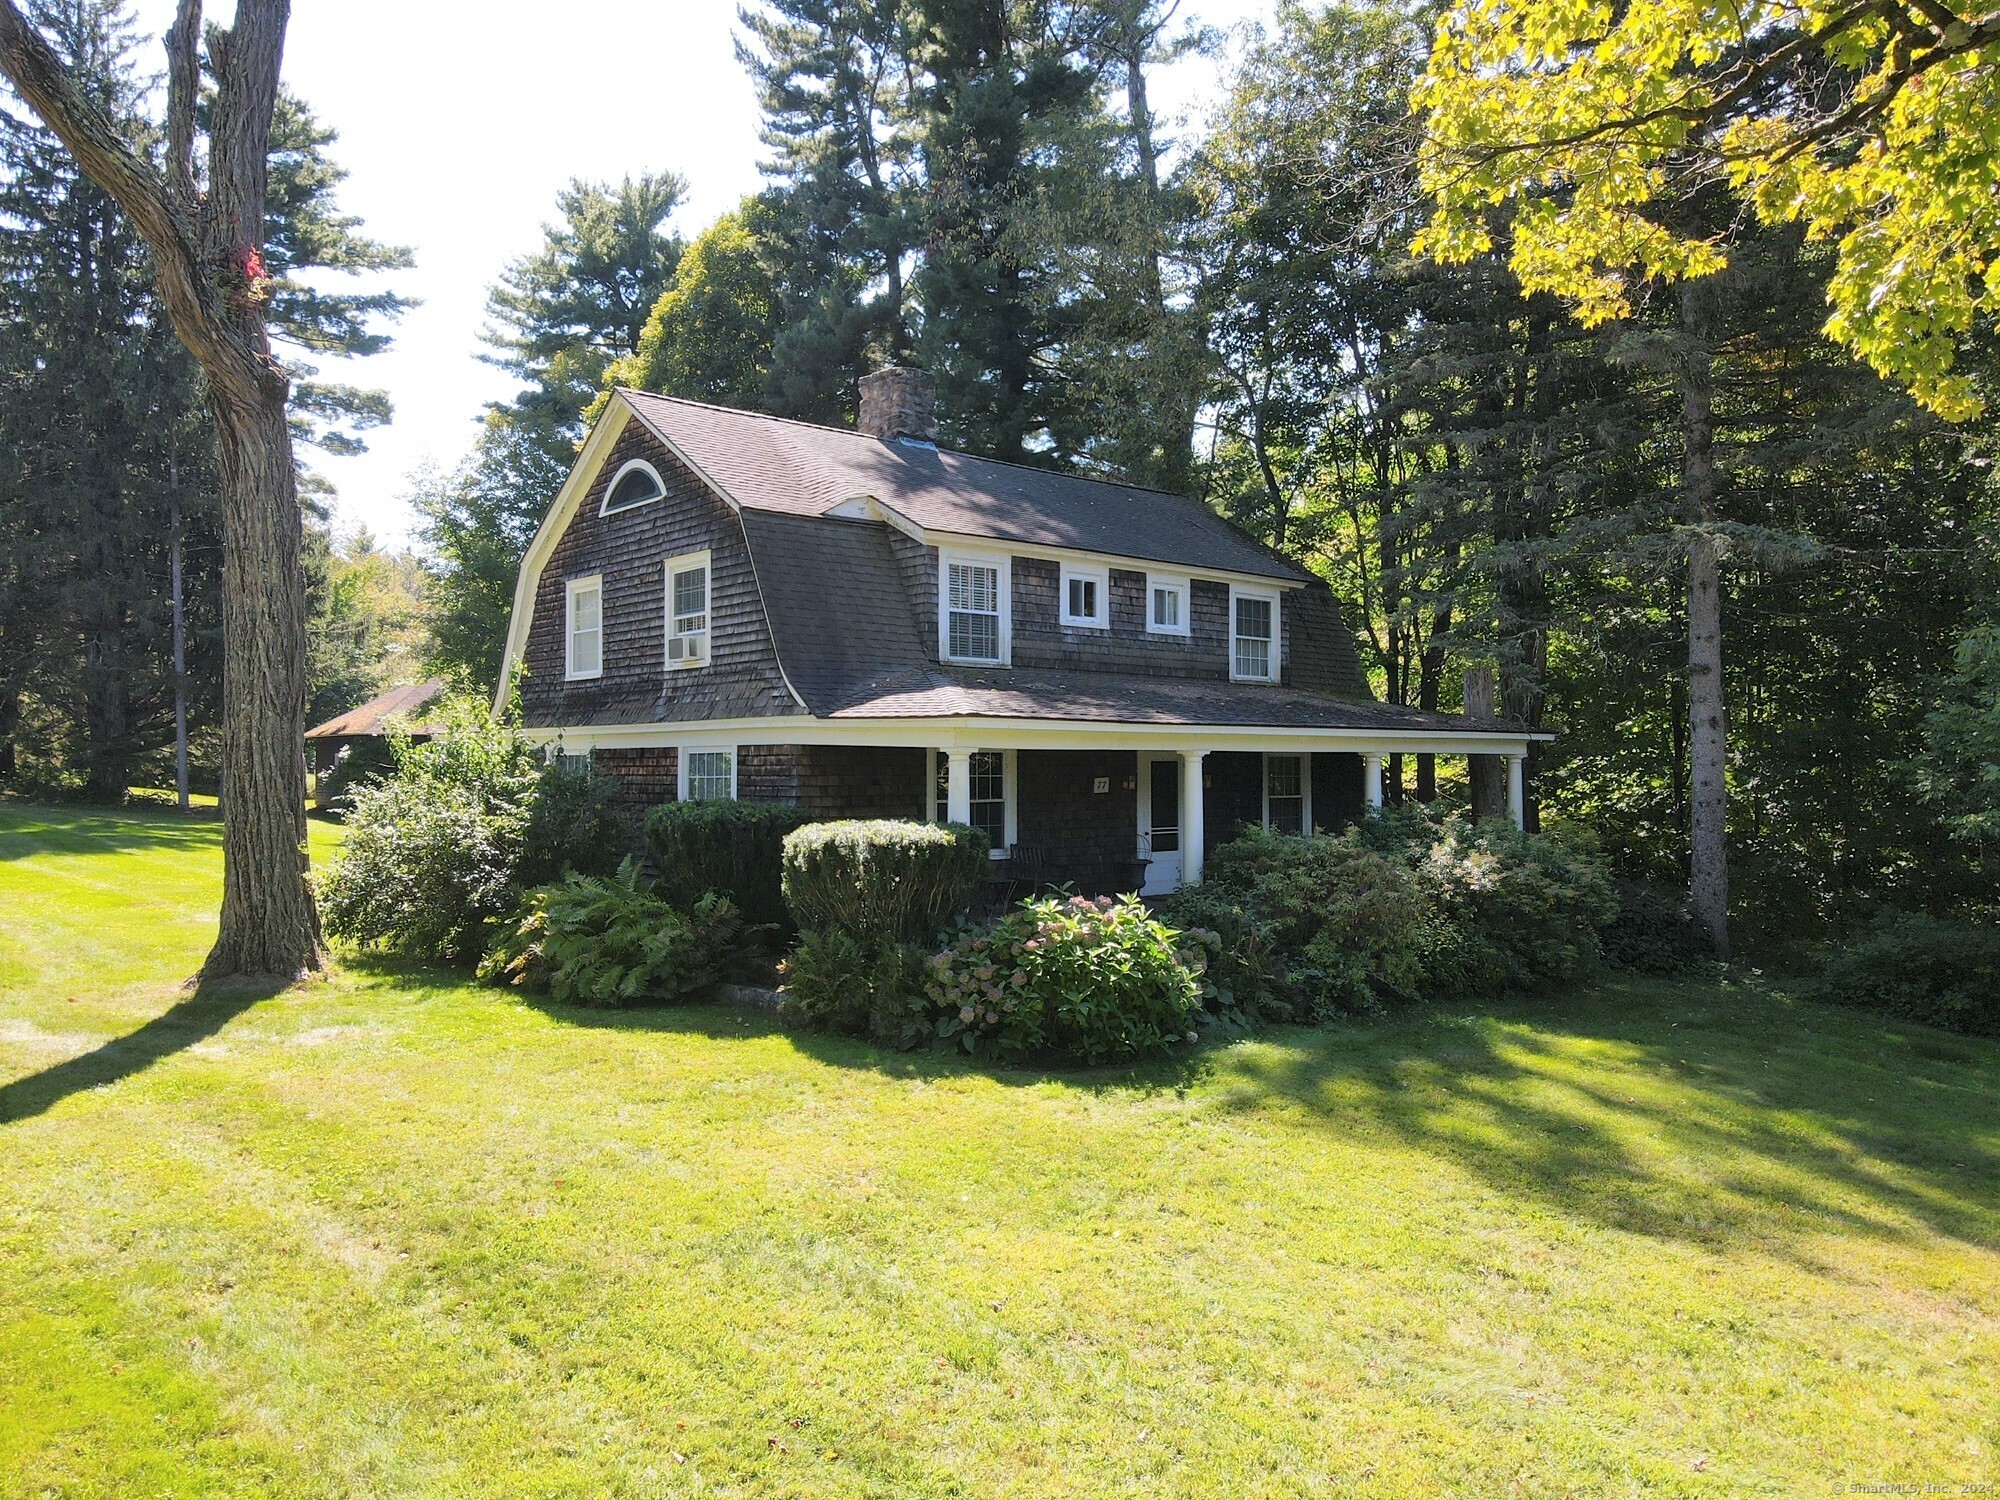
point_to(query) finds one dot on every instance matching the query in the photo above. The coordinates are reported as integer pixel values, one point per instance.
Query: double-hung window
(1166, 605)
(1253, 635)
(687, 610)
(708, 775)
(1085, 596)
(990, 785)
(974, 600)
(1287, 794)
(583, 652)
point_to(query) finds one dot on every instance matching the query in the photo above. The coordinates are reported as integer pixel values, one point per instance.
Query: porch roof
(1116, 698)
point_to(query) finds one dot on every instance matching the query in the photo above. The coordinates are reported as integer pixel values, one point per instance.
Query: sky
(459, 122)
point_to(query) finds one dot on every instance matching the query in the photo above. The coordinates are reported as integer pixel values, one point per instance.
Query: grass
(392, 1234)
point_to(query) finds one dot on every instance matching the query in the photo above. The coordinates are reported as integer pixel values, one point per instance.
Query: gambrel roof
(829, 520)
(796, 468)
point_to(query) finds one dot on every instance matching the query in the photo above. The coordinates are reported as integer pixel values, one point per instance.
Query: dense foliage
(840, 983)
(438, 850)
(1069, 978)
(1866, 122)
(1086, 979)
(575, 824)
(1395, 910)
(1655, 930)
(431, 854)
(883, 881)
(1921, 968)
(589, 940)
(736, 848)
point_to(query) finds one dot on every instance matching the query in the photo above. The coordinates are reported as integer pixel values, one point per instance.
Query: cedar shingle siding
(630, 548)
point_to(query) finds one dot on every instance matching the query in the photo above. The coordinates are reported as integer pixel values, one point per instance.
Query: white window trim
(687, 752)
(1185, 586)
(605, 508)
(685, 563)
(571, 589)
(1085, 573)
(1241, 591)
(1305, 760)
(998, 560)
(1010, 793)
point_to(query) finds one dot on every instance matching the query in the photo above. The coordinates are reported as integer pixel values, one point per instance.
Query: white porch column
(958, 786)
(1371, 784)
(1517, 801)
(1191, 805)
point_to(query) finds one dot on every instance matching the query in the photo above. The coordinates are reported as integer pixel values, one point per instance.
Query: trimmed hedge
(883, 881)
(736, 848)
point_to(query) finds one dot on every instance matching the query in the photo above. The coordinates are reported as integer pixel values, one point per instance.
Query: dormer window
(973, 608)
(1086, 602)
(636, 484)
(1253, 634)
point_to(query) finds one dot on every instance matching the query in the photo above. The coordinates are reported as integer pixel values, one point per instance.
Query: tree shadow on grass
(1176, 1072)
(28, 830)
(212, 1005)
(1754, 1121)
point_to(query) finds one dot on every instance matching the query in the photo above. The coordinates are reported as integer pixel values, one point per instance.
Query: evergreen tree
(579, 302)
(567, 314)
(107, 447)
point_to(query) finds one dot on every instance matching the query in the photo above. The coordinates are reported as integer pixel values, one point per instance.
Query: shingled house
(1108, 680)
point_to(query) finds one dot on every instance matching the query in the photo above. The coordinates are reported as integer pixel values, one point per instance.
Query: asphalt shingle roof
(373, 716)
(1116, 698)
(781, 466)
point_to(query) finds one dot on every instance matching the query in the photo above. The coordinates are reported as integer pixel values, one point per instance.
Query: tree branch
(246, 59)
(88, 133)
(183, 88)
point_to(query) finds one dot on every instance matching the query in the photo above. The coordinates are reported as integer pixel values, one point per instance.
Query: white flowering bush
(1086, 978)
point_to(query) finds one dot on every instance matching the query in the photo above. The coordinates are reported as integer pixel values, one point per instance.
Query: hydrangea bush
(1088, 978)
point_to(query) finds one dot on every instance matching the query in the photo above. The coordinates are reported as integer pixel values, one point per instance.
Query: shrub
(1399, 908)
(1534, 903)
(574, 825)
(593, 941)
(1244, 985)
(883, 882)
(736, 848)
(1089, 979)
(429, 861)
(1346, 923)
(1922, 968)
(836, 982)
(1655, 930)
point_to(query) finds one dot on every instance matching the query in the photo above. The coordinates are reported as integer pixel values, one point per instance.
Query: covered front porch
(1146, 818)
(1101, 807)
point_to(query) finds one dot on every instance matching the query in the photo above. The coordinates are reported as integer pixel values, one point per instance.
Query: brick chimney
(898, 402)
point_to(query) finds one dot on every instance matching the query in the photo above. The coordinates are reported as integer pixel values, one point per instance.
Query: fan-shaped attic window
(638, 483)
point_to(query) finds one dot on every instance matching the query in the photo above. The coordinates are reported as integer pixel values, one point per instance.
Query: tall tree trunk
(205, 238)
(1707, 724)
(268, 917)
(10, 724)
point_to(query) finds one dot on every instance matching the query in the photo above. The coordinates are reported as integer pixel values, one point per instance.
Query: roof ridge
(980, 458)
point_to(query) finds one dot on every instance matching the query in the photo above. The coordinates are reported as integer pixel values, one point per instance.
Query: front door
(1160, 822)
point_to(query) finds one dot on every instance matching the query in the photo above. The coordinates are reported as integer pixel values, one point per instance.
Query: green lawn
(391, 1234)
